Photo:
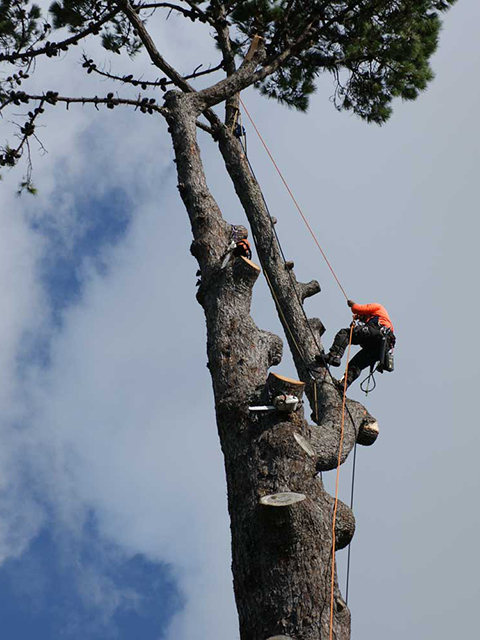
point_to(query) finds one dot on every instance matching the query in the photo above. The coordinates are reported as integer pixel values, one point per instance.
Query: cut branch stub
(280, 638)
(284, 499)
(253, 47)
(317, 325)
(278, 384)
(367, 433)
(303, 442)
(308, 289)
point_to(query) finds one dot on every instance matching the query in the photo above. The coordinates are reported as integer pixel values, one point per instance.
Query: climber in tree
(372, 330)
(239, 245)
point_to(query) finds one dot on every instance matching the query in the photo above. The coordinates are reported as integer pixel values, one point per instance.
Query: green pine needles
(377, 50)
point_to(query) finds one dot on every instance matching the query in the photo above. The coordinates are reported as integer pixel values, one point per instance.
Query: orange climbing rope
(340, 447)
(293, 198)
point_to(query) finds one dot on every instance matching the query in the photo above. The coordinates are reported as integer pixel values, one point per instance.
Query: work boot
(333, 359)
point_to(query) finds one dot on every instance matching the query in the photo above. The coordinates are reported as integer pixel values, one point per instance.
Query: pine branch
(246, 75)
(192, 13)
(202, 15)
(52, 48)
(155, 56)
(10, 156)
(146, 105)
(162, 83)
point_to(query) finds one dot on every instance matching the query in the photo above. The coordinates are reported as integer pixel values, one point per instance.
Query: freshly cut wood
(253, 47)
(367, 433)
(278, 384)
(283, 499)
(280, 638)
(303, 442)
(251, 264)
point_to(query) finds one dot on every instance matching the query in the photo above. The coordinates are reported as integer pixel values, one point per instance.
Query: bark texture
(281, 555)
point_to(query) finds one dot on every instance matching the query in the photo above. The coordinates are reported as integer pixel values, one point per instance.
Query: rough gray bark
(281, 555)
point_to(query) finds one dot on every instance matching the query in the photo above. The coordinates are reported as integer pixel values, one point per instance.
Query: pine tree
(376, 50)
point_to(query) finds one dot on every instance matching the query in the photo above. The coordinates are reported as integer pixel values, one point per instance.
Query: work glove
(350, 303)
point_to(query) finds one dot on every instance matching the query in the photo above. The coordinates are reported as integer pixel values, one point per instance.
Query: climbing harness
(385, 361)
(239, 131)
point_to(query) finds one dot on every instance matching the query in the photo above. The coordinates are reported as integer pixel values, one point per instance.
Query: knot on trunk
(317, 325)
(344, 526)
(273, 345)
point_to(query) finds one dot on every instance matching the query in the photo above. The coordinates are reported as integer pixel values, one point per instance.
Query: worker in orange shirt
(239, 245)
(372, 330)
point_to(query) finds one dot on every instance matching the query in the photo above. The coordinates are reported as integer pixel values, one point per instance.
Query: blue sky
(112, 490)
(40, 598)
(41, 591)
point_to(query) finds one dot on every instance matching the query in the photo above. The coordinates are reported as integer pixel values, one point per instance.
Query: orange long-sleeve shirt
(369, 311)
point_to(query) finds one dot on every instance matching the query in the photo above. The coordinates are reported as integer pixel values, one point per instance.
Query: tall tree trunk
(281, 554)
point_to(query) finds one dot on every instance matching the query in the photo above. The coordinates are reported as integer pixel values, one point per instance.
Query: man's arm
(364, 309)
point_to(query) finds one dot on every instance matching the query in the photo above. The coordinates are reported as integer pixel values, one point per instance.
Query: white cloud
(116, 426)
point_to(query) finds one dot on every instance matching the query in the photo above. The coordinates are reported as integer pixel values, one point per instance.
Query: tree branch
(52, 48)
(163, 82)
(246, 75)
(146, 105)
(11, 156)
(221, 26)
(155, 56)
(204, 17)
(165, 5)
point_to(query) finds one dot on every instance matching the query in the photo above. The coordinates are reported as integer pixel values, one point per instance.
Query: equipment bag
(386, 361)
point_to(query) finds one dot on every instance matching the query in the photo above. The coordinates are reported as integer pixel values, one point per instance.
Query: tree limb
(246, 75)
(165, 5)
(155, 56)
(51, 97)
(221, 26)
(51, 47)
(163, 82)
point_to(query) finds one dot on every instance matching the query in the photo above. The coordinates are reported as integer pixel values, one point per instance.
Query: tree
(376, 50)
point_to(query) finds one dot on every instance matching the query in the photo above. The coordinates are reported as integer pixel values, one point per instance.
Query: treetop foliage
(376, 50)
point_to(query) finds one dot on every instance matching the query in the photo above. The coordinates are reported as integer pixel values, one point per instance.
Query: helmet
(239, 232)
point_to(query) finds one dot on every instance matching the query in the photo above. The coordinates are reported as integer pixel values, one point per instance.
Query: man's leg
(340, 343)
(361, 360)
